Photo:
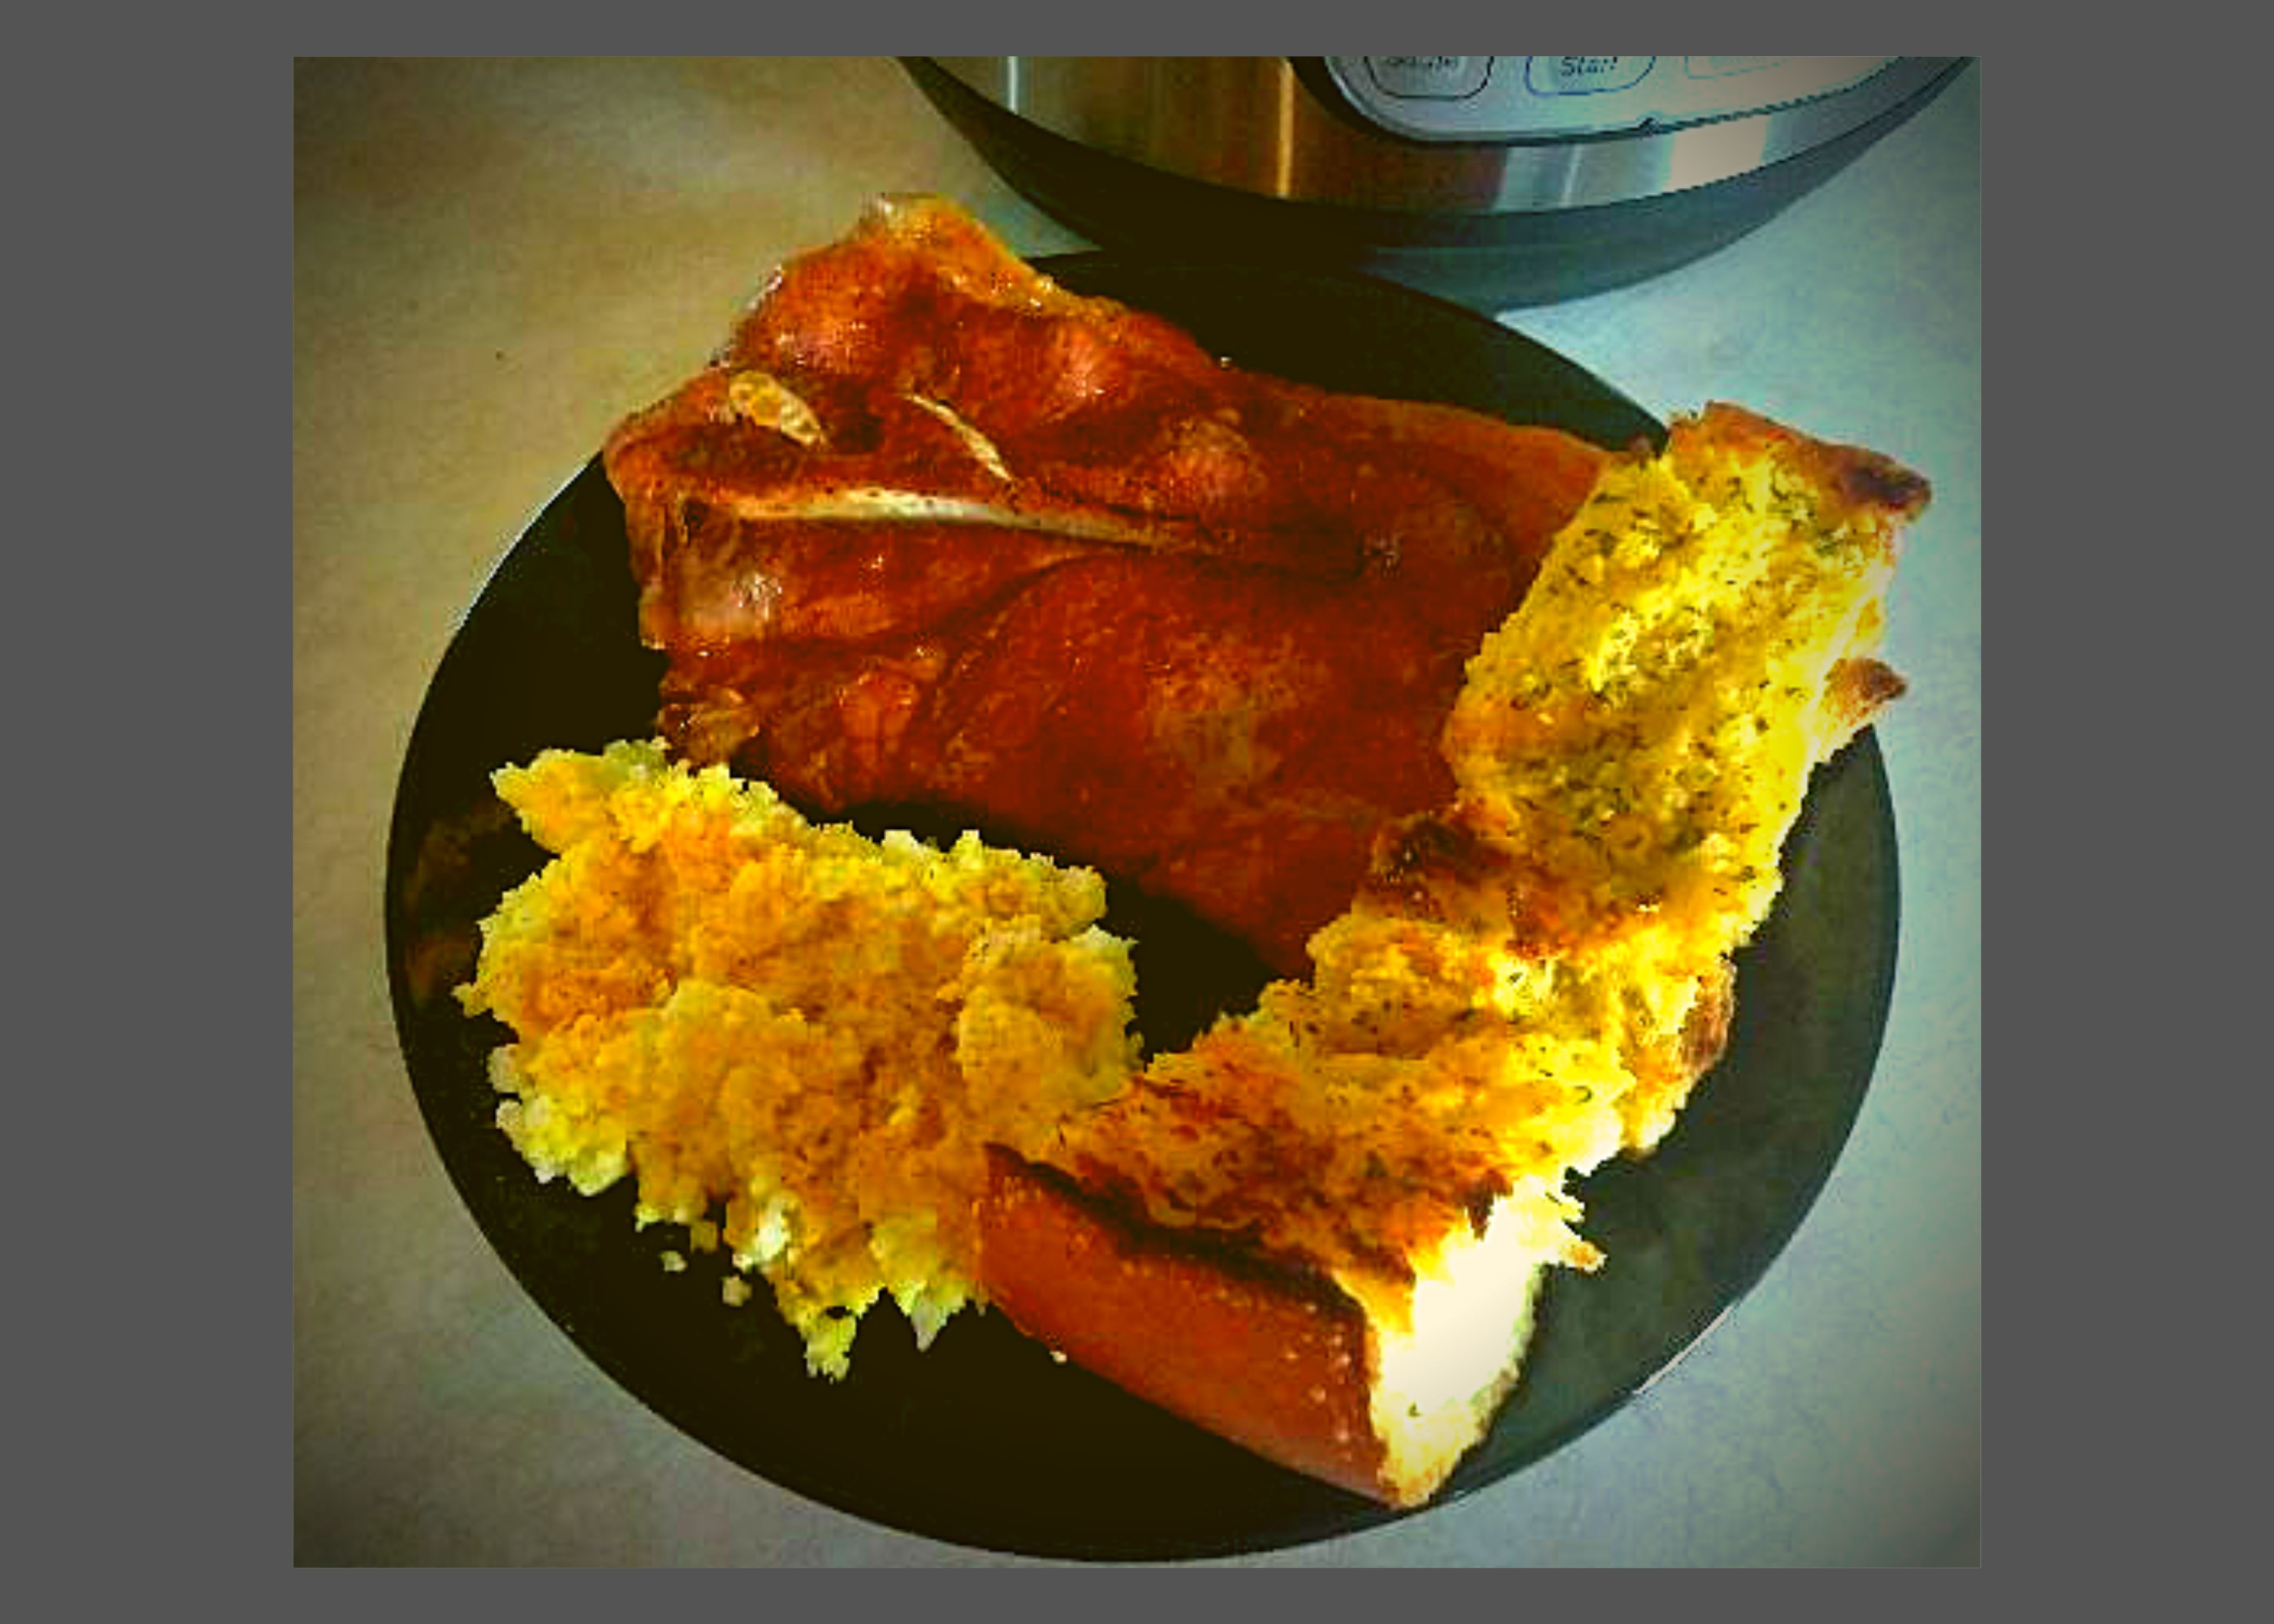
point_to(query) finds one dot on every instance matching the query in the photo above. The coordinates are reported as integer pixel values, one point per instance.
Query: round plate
(984, 1440)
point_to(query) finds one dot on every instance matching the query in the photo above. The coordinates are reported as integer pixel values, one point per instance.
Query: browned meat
(933, 530)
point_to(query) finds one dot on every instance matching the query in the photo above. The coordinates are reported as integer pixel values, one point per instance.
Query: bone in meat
(933, 530)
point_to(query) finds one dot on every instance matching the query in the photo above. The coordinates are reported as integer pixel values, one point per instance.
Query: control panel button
(1585, 76)
(1722, 67)
(1436, 78)
(1544, 98)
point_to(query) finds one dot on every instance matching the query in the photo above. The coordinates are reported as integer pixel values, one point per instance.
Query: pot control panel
(1540, 98)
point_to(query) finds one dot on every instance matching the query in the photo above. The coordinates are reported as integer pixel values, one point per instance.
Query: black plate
(985, 1440)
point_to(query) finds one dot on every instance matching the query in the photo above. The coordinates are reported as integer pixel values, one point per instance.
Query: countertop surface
(492, 262)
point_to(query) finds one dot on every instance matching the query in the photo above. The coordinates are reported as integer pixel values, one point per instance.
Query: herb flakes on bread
(1532, 979)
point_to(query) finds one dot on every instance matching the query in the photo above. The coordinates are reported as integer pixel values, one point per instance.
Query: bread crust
(1272, 1358)
(1275, 1358)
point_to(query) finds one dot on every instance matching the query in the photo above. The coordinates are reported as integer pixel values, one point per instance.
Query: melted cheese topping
(1643, 727)
(1632, 746)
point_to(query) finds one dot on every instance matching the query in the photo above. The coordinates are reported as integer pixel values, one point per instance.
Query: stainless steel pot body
(1503, 180)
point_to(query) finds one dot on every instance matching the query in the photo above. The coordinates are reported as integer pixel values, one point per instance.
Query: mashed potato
(794, 1039)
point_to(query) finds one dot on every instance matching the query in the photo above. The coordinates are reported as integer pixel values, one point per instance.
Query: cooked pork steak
(931, 530)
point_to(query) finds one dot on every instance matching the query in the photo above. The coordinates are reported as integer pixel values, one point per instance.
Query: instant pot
(1497, 181)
